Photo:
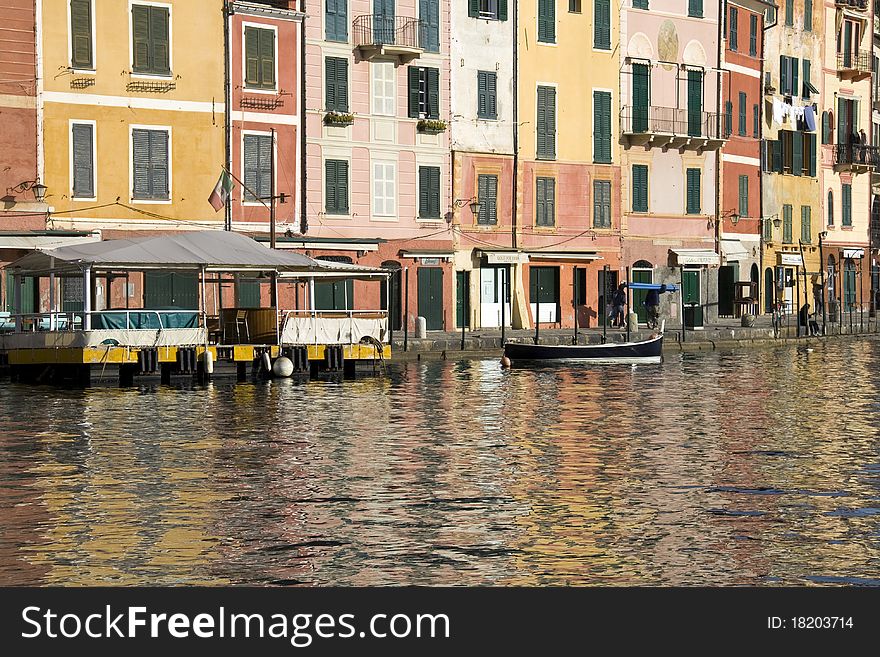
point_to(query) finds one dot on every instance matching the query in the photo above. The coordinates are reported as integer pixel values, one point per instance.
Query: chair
(241, 322)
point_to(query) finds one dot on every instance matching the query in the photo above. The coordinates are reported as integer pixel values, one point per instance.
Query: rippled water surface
(743, 467)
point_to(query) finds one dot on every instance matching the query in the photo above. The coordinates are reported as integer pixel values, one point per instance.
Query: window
(602, 204)
(424, 92)
(788, 75)
(695, 103)
(789, 12)
(728, 118)
(793, 153)
(383, 88)
(734, 19)
(258, 153)
(151, 50)
(695, 8)
(742, 114)
(743, 196)
(826, 127)
(486, 95)
(429, 192)
(546, 123)
(574, 6)
(83, 151)
(756, 121)
(846, 205)
(81, 34)
(487, 195)
(767, 223)
(693, 191)
(830, 208)
(808, 15)
(384, 189)
(601, 126)
(488, 9)
(640, 188)
(753, 35)
(806, 86)
(336, 20)
(545, 202)
(602, 24)
(336, 84)
(547, 21)
(259, 47)
(786, 224)
(336, 186)
(429, 17)
(806, 221)
(640, 4)
(150, 163)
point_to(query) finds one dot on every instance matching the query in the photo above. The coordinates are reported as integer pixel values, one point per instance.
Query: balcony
(858, 5)
(671, 127)
(376, 35)
(855, 157)
(854, 65)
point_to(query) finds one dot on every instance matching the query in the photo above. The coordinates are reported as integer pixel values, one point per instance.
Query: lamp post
(822, 236)
(475, 206)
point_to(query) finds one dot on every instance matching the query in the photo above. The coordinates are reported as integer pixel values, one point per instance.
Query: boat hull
(649, 351)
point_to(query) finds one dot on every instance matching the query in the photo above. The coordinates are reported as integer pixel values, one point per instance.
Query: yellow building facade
(133, 113)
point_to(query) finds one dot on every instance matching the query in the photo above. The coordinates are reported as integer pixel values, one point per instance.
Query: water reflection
(744, 467)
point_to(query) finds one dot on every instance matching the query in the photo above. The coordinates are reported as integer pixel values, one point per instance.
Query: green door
(849, 286)
(171, 290)
(334, 295)
(462, 299)
(431, 297)
(690, 296)
(640, 98)
(247, 293)
(27, 299)
(726, 277)
(638, 296)
(695, 103)
(544, 287)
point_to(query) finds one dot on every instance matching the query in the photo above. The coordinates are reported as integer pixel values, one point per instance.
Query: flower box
(431, 126)
(340, 119)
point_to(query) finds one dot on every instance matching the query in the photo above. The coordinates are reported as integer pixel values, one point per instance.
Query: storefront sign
(506, 258)
(430, 261)
(696, 257)
(853, 254)
(791, 259)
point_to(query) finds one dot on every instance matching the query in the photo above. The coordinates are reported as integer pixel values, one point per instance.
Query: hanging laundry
(810, 118)
(778, 111)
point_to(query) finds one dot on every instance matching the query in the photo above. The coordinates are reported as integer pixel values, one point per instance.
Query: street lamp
(38, 188)
(473, 203)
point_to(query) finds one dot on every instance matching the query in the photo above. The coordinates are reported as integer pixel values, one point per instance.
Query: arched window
(830, 208)
(643, 264)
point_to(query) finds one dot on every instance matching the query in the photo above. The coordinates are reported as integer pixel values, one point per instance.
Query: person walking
(652, 306)
(618, 303)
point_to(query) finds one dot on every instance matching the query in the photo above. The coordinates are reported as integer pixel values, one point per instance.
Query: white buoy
(505, 362)
(282, 367)
(809, 350)
(209, 361)
(267, 362)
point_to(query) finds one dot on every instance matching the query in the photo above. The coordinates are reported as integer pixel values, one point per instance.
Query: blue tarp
(652, 286)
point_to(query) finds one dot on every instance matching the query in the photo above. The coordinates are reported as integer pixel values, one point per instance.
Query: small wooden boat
(647, 351)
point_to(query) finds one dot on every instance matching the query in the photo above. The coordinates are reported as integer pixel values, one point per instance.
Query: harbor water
(750, 467)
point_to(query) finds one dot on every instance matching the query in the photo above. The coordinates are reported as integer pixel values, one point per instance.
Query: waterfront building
(482, 137)
(875, 172)
(377, 156)
(569, 225)
(739, 216)
(671, 130)
(849, 156)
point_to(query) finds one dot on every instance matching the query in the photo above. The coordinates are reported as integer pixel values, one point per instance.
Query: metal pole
(390, 309)
(628, 302)
(406, 309)
(272, 193)
(537, 303)
(503, 271)
(574, 294)
(604, 311)
(52, 294)
(87, 298)
(681, 302)
(464, 310)
(822, 282)
(861, 298)
(839, 294)
(797, 288)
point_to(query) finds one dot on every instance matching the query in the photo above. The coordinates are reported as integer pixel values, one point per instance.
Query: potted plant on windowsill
(340, 119)
(431, 126)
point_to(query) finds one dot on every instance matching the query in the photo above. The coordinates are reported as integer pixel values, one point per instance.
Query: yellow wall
(193, 110)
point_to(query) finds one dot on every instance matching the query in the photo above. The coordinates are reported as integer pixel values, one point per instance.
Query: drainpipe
(227, 98)
(301, 123)
(761, 301)
(38, 60)
(514, 8)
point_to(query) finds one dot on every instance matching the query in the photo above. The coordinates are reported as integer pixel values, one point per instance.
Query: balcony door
(641, 97)
(847, 121)
(383, 21)
(695, 103)
(848, 42)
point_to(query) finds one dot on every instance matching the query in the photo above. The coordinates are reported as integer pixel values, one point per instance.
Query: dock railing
(122, 319)
(333, 326)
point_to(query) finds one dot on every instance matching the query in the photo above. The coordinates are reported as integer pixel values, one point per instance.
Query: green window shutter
(805, 84)
(159, 164)
(797, 154)
(602, 203)
(414, 76)
(640, 188)
(734, 19)
(330, 83)
(601, 126)
(81, 34)
(482, 193)
(161, 50)
(502, 10)
(810, 145)
(806, 220)
(786, 224)
(482, 93)
(545, 201)
(257, 167)
(756, 122)
(846, 201)
(808, 15)
(140, 155)
(693, 191)
(695, 103)
(267, 59)
(330, 186)
(433, 109)
(336, 20)
(492, 95)
(776, 155)
(602, 24)
(742, 114)
(150, 164)
(140, 27)
(795, 88)
(789, 12)
(83, 160)
(743, 196)
(641, 97)
(695, 8)
(841, 121)
(753, 35)
(336, 185)
(474, 8)
(252, 56)
(783, 74)
(826, 128)
(429, 192)
(540, 194)
(342, 84)
(640, 4)
(728, 118)
(546, 121)
(547, 21)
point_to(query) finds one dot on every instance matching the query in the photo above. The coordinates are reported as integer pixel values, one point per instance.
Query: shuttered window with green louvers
(257, 167)
(601, 126)
(695, 8)
(693, 191)
(429, 192)
(640, 188)
(797, 154)
(547, 21)
(259, 46)
(846, 205)
(786, 224)
(546, 146)
(336, 20)
(743, 196)
(487, 98)
(545, 201)
(806, 223)
(734, 29)
(83, 135)
(487, 195)
(336, 186)
(602, 204)
(336, 84)
(152, 48)
(81, 35)
(602, 26)
(424, 92)
(742, 113)
(488, 9)
(150, 155)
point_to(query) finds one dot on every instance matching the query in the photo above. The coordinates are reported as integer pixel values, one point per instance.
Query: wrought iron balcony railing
(673, 121)
(861, 5)
(858, 60)
(376, 30)
(857, 155)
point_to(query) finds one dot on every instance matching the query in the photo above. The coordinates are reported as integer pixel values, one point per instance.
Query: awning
(734, 250)
(427, 253)
(853, 254)
(564, 255)
(810, 87)
(504, 257)
(695, 257)
(46, 239)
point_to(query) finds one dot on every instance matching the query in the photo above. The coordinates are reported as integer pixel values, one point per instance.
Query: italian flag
(222, 191)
